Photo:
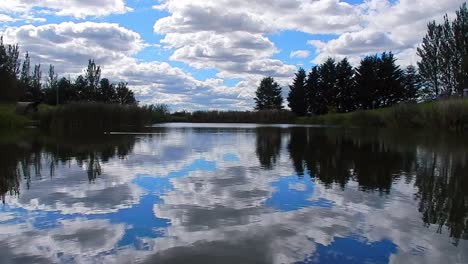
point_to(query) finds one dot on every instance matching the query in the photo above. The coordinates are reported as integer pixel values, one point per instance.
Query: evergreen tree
(346, 96)
(9, 69)
(268, 95)
(389, 86)
(412, 85)
(328, 85)
(297, 100)
(315, 103)
(366, 80)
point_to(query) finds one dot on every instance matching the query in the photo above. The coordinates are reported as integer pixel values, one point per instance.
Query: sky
(212, 54)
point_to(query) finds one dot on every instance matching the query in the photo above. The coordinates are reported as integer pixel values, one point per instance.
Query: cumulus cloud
(69, 45)
(387, 26)
(72, 8)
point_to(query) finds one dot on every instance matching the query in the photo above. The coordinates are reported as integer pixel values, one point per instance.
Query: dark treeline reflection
(34, 155)
(268, 145)
(435, 164)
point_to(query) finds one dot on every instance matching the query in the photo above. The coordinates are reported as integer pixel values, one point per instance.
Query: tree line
(337, 87)
(20, 81)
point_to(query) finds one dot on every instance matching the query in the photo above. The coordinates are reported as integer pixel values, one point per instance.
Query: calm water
(235, 194)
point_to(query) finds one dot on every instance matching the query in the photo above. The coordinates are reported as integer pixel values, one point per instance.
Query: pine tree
(366, 80)
(346, 96)
(315, 104)
(328, 85)
(412, 85)
(297, 100)
(268, 95)
(389, 86)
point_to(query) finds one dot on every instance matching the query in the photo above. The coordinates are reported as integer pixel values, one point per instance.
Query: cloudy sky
(211, 54)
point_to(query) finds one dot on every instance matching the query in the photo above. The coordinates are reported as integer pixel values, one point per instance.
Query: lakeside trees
(268, 95)
(444, 56)
(19, 81)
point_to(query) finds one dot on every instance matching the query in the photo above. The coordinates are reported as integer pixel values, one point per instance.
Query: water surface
(219, 193)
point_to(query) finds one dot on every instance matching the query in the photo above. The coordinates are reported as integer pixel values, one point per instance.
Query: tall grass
(451, 114)
(95, 117)
(265, 116)
(9, 119)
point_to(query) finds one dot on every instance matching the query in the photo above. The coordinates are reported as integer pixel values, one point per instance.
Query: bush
(9, 119)
(94, 117)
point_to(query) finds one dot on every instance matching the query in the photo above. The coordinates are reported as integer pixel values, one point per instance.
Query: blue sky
(211, 54)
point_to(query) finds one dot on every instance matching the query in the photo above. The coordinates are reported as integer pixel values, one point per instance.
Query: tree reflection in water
(436, 164)
(25, 159)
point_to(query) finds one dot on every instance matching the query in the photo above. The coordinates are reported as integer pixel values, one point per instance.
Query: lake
(220, 193)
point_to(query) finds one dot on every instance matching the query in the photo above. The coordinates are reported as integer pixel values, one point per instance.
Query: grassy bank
(76, 118)
(442, 115)
(266, 116)
(9, 120)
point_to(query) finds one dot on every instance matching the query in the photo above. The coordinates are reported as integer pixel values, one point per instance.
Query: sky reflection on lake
(235, 194)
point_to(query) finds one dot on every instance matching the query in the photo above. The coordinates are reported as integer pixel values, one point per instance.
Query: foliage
(92, 117)
(9, 119)
(262, 116)
(268, 95)
(297, 99)
(9, 68)
(444, 55)
(440, 115)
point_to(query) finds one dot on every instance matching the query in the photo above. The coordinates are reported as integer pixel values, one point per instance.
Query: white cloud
(387, 26)
(69, 45)
(301, 54)
(72, 8)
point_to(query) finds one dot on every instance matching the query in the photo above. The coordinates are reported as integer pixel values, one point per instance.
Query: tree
(444, 56)
(412, 85)
(124, 95)
(37, 94)
(430, 64)
(9, 69)
(92, 77)
(297, 100)
(50, 88)
(378, 82)
(25, 79)
(268, 95)
(346, 97)
(366, 80)
(389, 86)
(107, 91)
(328, 85)
(315, 102)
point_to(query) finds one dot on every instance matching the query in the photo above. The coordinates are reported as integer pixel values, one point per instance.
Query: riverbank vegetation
(377, 92)
(88, 103)
(270, 116)
(451, 114)
(9, 119)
